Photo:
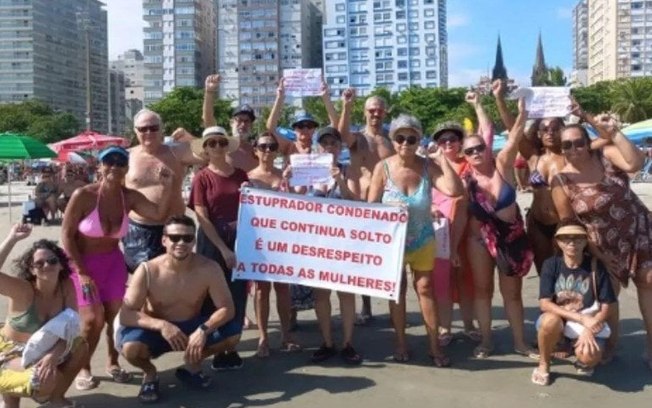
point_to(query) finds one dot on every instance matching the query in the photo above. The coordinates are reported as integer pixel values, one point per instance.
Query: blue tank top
(419, 227)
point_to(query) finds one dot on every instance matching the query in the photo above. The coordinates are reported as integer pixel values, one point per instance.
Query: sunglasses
(115, 160)
(186, 238)
(215, 142)
(410, 140)
(475, 149)
(150, 128)
(305, 125)
(449, 138)
(267, 147)
(50, 261)
(569, 144)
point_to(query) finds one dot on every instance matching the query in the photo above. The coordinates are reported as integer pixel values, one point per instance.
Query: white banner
(311, 168)
(341, 245)
(545, 101)
(302, 82)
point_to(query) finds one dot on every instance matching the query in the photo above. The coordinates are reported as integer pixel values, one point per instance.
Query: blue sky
(473, 26)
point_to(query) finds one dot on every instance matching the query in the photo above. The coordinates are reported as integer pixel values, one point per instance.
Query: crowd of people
(586, 233)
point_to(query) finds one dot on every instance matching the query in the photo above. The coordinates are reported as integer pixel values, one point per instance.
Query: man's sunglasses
(187, 238)
(475, 149)
(116, 160)
(449, 138)
(50, 261)
(410, 140)
(305, 125)
(150, 128)
(267, 147)
(577, 144)
(216, 142)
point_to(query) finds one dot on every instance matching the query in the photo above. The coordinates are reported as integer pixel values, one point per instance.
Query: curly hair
(25, 262)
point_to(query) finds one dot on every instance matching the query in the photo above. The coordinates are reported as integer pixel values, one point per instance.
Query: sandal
(119, 375)
(444, 339)
(198, 380)
(290, 347)
(323, 353)
(473, 335)
(149, 392)
(540, 377)
(441, 361)
(482, 352)
(86, 383)
(529, 353)
(350, 356)
(401, 356)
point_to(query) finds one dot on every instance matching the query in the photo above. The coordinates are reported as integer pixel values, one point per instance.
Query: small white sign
(302, 82)
(545, 101)
(312, 168)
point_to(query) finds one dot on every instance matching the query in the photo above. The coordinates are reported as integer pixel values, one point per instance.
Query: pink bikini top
(91, 226)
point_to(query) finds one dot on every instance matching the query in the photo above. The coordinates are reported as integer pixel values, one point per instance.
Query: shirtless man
(242, 121)
(161, 311)
(148, 161)
(367, 148)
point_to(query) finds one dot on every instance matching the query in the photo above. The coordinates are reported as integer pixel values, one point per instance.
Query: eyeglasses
(267, 147)
(577, 144)
(477, 149)
(116, 160)
(186, 238)
(150, 128)
(49, 261)
(410, 140)
(449, 138)
(215, 142)
(568, 238)
(305, 125)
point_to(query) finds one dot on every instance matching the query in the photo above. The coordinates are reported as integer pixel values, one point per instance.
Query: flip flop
(482, 352)
(350, 356)
(441, 361)
(401, 356)
(540, 377)
(290, 347)
(529, 353)
(119, 375)
(86, 383)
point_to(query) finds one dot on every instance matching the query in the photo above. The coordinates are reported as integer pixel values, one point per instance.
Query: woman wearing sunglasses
(405, 179)
(447, 138)
(268, 177)
(93, 226)
(215, 198)
(39, 292)
(496, 234)
(594, 188)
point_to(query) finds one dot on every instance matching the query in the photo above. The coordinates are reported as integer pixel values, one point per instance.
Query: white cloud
(457, 20)
(564, 13)
(125, 21)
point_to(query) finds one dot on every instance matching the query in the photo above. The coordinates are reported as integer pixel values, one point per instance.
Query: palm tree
(632, 99)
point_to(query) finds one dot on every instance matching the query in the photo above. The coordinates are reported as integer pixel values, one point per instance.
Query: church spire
(499, 71)
(539, 70)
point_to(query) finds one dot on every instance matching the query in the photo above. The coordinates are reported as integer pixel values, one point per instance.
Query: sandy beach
(290, 380)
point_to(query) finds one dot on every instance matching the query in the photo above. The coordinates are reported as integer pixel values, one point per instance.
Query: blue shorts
(158, 346)
(142, 243)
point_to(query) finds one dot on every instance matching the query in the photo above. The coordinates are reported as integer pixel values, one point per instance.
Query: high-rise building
(180, 44)
(619, 39)
(257, 39)
(117, 119)
(56, 51)
(132, 64)
(580, 42)
(385, 43)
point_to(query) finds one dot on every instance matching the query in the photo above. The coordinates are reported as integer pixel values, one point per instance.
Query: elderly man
(162, 311)
(367, 148)
(242, 121)
(148, 161)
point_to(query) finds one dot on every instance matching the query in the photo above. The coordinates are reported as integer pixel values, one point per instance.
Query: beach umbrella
(89, 140)
(639, 131)
(16, 146)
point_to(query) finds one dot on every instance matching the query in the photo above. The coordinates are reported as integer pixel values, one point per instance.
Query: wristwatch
(203, 328)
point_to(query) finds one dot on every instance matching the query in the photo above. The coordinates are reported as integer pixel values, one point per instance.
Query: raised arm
(344, 126)
(10, 285)
(274, 116)
(621, 152)
(443, 176)
(485, 128)
(498, 90)
(507, 156)
(333, 117)
(210, 87)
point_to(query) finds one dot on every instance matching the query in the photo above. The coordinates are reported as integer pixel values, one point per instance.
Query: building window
(340, 7)
(429, 12)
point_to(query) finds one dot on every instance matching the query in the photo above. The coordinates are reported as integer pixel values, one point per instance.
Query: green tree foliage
(556, 77)
(36, 119)
(183, 108)
(632, 99)
(595, 98)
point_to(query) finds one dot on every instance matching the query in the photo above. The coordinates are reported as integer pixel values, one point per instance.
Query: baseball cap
(113, 150)
(303, 116)
(244, 110)
(448, 127)
(328, 131)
